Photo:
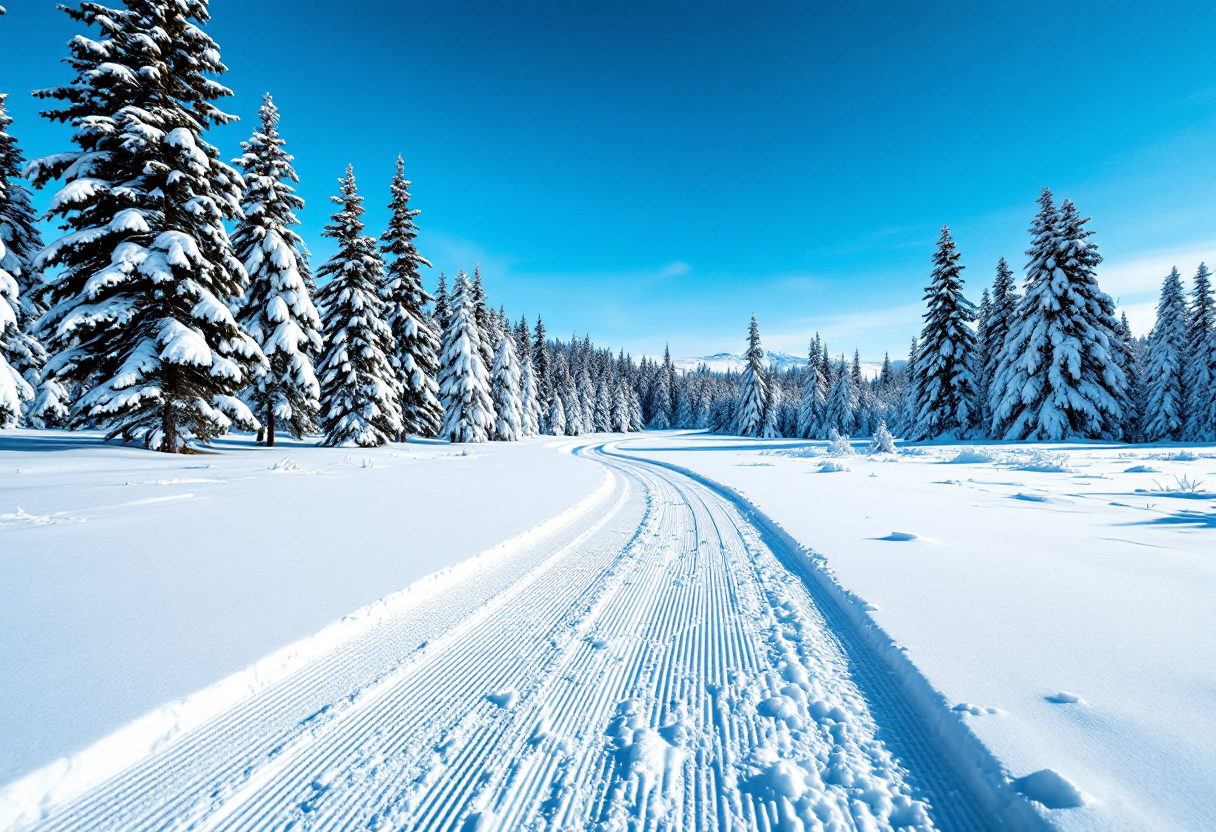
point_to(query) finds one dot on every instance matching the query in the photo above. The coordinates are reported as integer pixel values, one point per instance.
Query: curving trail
(653, 664)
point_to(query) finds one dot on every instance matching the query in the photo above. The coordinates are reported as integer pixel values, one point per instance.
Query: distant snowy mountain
(724, 361)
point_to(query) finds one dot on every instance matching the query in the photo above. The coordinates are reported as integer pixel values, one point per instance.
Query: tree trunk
(270, 425)
(168, 424)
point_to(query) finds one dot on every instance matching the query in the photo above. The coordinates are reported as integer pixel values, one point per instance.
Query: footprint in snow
(1065, 698)
(1052, 789)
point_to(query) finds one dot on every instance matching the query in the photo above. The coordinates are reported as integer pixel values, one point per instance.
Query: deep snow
(129, 579)
(1063, 597)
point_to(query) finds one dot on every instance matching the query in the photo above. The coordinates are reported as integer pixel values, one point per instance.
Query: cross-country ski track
(657, 661)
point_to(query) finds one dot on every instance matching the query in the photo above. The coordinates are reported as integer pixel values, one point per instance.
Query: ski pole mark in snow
(654, 666)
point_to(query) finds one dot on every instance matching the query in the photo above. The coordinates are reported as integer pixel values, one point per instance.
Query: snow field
(129, 580)
(651, 664)
(1058, 598)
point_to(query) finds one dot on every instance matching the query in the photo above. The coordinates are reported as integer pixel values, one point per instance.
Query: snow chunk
(505, 698)
(1050, 788)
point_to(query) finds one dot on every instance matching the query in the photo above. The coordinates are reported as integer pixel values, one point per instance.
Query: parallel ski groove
(646, 645)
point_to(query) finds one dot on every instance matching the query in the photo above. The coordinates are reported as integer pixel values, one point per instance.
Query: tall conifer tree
(415, 358)
(359, 391)
(749, 419)
(276, 309)
(139, 311)
(946, 392)
(1200, 372)
(464, 383)
(1165, 413)
(1058, 374)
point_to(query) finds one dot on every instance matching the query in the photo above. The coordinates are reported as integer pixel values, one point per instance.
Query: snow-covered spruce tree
(415, 358)
(753, 398)
(22, 242)
(1209, 407)
(543, 371)
(440, 315)
(1200, 362)
(1165, 414)
(484, 322)
(586, 398)
(557, 417)
(1058, 373)
(769, 428)
(14, 389)
(138, 312)
(840, 412)
(907, 404)
(883, 442)
(980, 369)
(359, 390)
(814, 399)
(946, 394)
(565, 389)
(505, 392)
(276, 309)
(1128, 354)
(603, 406)
(529, 405)
(1003, 304)
(464, 384)
(660, 402)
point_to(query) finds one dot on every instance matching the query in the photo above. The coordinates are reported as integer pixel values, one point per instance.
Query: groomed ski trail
(652, 665)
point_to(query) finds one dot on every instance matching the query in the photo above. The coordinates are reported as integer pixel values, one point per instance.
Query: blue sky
(655, 172)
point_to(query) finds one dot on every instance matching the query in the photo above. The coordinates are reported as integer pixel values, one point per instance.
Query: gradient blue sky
(658, 171)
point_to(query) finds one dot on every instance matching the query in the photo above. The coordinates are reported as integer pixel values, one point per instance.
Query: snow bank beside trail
(1069, 632)
(154, 576)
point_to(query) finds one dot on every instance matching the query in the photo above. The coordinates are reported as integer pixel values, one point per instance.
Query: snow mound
(1065, 698)
(24, 518)
(1142, 469)
(970, 455)
(900, 536)
(1039, 461)
(974, 710)
(1051, 789)
(830, 467)
(1179, 456)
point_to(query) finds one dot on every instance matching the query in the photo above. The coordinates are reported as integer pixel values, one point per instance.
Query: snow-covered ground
(648, 650)
(1061, 597)
(129, 578)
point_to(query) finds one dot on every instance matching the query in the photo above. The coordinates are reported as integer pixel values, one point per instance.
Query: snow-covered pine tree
(276, 309)
(484, 322)
(840, 412)
(1058, 375)
(359, 391)
(1200, 362)
(1209, 407)
(883, 442)
(1165, 414)
(814, 400)
(14, 389)
(530, 415)
(464, 384)
(22, 242)
(1003, 304)
(980, 370)
(603, 406)
(505, 384)
(586, 397)
(749, 418)
(565, 389)
(660, 402)
(1132, 400)
(769, 427)
(440, 315)
(946, 392)
(542, 366)
(906, 424)
(557, 417)
(138, 312)
(635, 409)
(415, 358)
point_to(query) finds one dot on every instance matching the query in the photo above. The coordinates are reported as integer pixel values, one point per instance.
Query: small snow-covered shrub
(971, 454)
(1179, 456)
(1182, 485)
(839, 445)
(830, 467)
(883, 442)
